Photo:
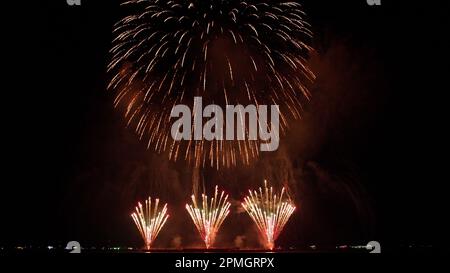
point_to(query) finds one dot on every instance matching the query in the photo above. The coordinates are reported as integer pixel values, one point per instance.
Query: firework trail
(230, 52)
(269, 212)
(149, 220)
(209, 217)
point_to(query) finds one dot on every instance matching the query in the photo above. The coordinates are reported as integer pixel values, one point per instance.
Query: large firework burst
(226, 51)
(269, 212)
(210, 215)
(149, 220)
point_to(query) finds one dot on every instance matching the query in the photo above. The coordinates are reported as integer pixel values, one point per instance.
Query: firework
(269, 212)
(228, 52)
(209, 217)
(149, 220)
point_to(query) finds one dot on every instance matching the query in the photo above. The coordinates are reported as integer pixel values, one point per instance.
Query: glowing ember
(269, 212)
(149, 220)
(209, 217)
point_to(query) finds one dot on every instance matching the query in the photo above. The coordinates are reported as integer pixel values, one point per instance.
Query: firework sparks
(269, 212)
(209, 217)
(149, 220)
(228, 52)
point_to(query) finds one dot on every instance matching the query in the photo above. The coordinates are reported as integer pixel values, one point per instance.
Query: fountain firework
(149, 220)
(269, 212)
(209, 217)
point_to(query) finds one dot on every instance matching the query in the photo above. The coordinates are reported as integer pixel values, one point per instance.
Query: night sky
(368, 151)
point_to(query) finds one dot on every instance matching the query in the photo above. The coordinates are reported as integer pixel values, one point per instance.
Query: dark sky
(73, 171)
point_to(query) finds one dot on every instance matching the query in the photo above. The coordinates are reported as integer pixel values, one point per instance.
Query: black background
(60, 121)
